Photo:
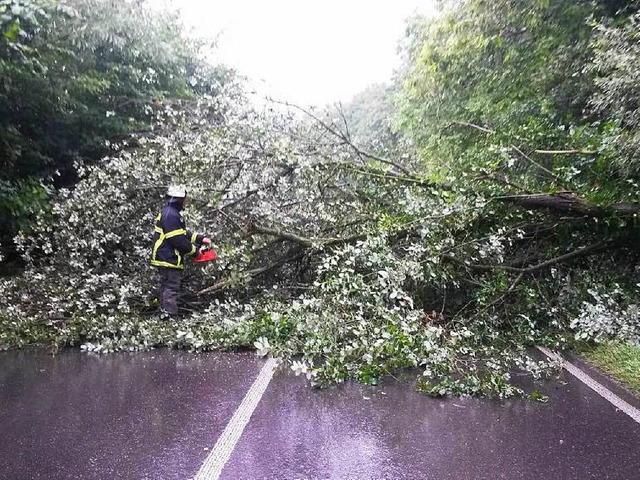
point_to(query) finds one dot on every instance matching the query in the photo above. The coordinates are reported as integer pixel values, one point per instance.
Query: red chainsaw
(206, 253)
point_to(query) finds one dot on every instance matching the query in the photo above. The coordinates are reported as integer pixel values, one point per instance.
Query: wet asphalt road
(156, 415)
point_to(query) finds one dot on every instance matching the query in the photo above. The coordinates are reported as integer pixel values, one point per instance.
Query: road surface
(175, 415)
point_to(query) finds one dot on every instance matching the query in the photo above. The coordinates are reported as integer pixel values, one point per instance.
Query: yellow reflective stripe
(194, 237)
(156, 246)
(161, 238)
(193, 250)
(175, 233)
(158, 263)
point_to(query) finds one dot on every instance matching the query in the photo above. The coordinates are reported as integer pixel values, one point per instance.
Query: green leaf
(12, 33)
(538, 396)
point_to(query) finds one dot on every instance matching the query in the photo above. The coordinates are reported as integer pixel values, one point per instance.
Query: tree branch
(504, 180)
(539, 151)
(565, 152)
(304, 241)
(396, 178)
(249, 193)
(248, 275)
(473, 125)
(568, 202)
(541, 167)
(504, 295)
(581, 252)
(345, 139)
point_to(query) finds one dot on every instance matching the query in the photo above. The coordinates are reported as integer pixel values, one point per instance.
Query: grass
(618, 359)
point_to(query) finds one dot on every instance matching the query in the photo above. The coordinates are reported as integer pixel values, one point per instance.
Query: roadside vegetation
(621, 360)
(484, 202)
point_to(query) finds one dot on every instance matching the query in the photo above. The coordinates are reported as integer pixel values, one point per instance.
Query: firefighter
(172, 242)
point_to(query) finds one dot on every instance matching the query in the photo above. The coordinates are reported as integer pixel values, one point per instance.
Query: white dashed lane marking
(215, 462)
(600, 389)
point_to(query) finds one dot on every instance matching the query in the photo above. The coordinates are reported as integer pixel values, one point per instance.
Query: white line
(601, 390)
(215, 462)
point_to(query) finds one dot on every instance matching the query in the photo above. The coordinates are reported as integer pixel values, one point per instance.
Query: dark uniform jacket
(171, 240)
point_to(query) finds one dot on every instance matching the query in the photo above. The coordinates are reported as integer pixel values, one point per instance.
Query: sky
(305, 51)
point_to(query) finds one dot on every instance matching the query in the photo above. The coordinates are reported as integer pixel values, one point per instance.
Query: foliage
(346, 300)
(604, 317)
(20, 201)
(497, 96)
(91, 71)
(369, 116)
(617, 68)
(509, 66)
(80, 74)
(620, 359)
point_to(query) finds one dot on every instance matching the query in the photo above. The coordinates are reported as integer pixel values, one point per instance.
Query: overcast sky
(304, 51)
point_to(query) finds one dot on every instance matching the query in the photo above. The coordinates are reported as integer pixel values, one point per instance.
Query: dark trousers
(169, 291)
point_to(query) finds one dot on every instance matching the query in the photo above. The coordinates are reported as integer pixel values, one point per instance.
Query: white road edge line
(600, 389)
(219, 455)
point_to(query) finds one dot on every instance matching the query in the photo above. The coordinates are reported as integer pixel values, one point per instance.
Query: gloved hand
(206, 241)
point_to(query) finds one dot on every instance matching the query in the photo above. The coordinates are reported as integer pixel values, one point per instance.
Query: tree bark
(568, 202)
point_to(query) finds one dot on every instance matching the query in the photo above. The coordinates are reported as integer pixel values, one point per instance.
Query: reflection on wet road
(392, 432)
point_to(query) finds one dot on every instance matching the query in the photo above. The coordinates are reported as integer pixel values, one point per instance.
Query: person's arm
(195, 238)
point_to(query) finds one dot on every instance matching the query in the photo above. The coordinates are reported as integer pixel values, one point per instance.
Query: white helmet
(178, 191)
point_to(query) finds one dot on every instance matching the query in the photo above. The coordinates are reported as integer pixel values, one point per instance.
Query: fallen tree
(324, 259)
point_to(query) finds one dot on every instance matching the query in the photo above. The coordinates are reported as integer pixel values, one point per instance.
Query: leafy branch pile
(497, 212)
